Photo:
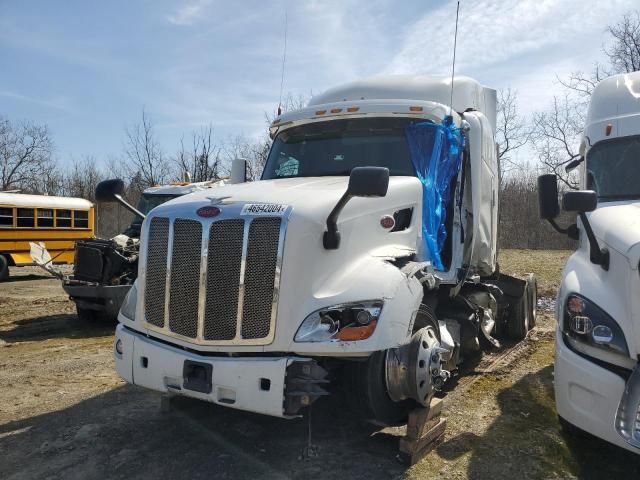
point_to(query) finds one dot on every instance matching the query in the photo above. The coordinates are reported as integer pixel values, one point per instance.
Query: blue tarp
(436, 153)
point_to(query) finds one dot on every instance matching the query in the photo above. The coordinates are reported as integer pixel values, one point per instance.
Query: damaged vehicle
(105, 270)
(597, 374)
(363, 263)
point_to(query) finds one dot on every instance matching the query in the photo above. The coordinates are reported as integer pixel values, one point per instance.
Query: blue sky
(87, 68)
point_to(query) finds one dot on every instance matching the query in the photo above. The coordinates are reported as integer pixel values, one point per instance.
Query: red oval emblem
(208, 211)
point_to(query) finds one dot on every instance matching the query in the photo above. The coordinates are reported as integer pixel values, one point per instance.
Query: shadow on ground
(64, 325)
(123, 434)
(526, 441)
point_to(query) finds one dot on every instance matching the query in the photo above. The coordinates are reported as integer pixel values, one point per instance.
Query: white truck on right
(597, 369)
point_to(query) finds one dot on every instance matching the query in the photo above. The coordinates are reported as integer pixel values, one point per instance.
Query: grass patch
(546, 264)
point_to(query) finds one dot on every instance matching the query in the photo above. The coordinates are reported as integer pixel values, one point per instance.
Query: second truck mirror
(548, 196)
(109, 190)
(580, 201)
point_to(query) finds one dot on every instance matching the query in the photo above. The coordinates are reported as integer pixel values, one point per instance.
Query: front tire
(519, 322)
(365, 382)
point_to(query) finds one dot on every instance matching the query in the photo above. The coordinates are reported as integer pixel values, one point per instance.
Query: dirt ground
(65, 414)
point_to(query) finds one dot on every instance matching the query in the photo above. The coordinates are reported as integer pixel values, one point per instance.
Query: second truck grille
(229, 297)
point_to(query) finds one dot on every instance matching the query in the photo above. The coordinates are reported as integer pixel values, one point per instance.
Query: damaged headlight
(587, 325)
(345, 322)
(128, 308)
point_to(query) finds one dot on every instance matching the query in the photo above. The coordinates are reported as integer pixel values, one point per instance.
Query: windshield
(613, 168)
(146, 203)
(335, 147)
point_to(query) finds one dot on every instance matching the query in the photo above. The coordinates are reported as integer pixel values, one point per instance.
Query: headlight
(585, 323)
(128, 308)
(346, 322)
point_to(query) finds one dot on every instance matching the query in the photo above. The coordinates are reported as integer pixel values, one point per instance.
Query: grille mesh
(185, 277)
(262, 256)
(156, 271)
(223, 279)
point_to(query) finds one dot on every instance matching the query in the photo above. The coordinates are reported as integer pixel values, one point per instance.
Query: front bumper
(101, 298)
(266, 385)
(588, 395)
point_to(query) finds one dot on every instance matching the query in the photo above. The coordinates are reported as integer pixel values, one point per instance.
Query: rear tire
(365, 383)
(518, 322)
(4, 268)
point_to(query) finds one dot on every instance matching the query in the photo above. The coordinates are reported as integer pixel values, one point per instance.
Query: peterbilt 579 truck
(597, 374)
(363, 261)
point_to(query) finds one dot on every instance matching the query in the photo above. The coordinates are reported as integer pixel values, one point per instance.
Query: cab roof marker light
(320, 112)
(336, 110)
(608, 129)
(353, 109)
(415, 108)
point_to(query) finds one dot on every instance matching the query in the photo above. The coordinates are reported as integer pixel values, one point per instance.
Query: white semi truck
(597, 374)
(364, 260)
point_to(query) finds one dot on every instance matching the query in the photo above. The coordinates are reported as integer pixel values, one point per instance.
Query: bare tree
(556, 136)
(145, 159)
(622, 54)
(82, 178)
(512, 132)
(25, 154)
(254, 150)
(203, 159)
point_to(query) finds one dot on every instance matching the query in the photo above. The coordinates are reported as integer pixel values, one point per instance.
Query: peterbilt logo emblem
(208, 211)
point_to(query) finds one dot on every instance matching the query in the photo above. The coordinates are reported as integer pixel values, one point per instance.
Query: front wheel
(518, 322)
(365, 382)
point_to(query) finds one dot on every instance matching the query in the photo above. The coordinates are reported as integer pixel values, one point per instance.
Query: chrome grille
(156, 271)
(223, 279)
(262, 255)
(185, 277)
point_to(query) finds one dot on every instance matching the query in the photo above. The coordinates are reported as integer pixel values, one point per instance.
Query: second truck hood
(618, 225)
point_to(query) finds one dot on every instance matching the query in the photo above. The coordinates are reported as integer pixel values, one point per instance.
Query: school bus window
(26, 217)
(6, 217)
(45, 217)
(63, 218)
(80, 219)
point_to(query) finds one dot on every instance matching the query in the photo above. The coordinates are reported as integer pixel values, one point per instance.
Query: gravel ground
(65, 414)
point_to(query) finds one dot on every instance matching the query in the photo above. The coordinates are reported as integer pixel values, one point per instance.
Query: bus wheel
(4, 268)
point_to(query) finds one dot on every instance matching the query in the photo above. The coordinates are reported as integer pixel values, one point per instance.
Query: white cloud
(189, 13)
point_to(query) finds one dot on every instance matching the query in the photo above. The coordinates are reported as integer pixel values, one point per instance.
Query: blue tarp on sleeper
(436, 153)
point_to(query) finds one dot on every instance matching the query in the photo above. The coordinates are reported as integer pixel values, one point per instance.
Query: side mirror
(109, 191)
(580, 201)
(238, 170)
(548, 196)
(573, 164)
(368, 182)
(363, 182)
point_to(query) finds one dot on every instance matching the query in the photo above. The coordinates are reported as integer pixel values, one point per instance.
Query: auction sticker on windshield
(263, 209)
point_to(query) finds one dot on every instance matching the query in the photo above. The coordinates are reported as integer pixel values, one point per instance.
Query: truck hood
(618, 225)
(312, 197)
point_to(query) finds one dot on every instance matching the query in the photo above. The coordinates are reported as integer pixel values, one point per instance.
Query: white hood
(618, 225)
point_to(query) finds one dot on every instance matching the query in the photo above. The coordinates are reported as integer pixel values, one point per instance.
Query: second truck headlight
(128, 308)
(345, 322)
(586, 323)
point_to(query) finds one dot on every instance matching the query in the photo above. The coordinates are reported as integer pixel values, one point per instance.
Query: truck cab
(597, 377)
(364, 260)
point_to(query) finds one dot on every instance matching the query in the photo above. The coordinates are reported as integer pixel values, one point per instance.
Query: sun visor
(436, 153)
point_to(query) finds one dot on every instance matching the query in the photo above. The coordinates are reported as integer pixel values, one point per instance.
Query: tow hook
(414, 370)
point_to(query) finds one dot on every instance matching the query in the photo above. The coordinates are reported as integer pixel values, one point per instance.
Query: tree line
(551, 136)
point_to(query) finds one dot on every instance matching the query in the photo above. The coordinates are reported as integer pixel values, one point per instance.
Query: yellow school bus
(55, 221)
